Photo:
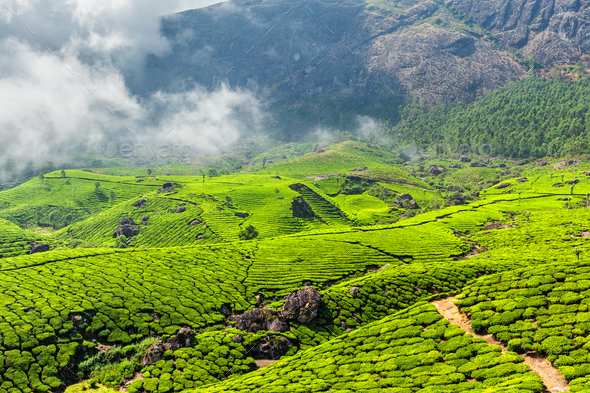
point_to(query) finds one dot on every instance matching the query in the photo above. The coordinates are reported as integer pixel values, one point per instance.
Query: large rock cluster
(303, 306)
(127, 228)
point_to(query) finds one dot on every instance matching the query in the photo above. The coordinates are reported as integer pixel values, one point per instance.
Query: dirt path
(552, 378)
(265, 362)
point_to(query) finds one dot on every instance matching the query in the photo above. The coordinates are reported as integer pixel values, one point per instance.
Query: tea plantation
(308, 274)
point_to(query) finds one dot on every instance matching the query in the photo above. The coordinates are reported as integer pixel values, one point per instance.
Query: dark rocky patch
(270, 347)
(39, 247)
(140, 202)
(302, 305)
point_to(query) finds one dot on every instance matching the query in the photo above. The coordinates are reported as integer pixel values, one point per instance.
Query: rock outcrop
(39, 247)
(270, 347)
(555, 31)
(436, 169)
(407, 201)
(140, 203)
(440, 60)
(302, 305)
(182, 339)
(260, 319)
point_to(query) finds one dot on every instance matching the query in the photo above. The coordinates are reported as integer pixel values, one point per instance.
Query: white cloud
(46, 111)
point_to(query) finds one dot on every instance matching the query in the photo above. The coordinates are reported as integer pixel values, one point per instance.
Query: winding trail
(552, 379)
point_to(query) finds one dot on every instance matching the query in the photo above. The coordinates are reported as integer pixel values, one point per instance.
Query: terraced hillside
(195, 301)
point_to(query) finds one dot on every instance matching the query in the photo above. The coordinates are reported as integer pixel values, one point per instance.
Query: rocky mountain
(314, 63)
(554, 31)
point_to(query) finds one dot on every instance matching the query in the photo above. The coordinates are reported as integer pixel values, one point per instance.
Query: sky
(64, 69)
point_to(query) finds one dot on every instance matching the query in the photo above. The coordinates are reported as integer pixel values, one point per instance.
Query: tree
(97, 186)
(248, 233)
(263, 162)
(149, 172)
(41, 177)
(212, 173)
(69, 218)
(203, 178)
(277, 191)
(63, 174)
(39, 217)
(53, 217)
(577, 251)
(121, 241)
(112, 196)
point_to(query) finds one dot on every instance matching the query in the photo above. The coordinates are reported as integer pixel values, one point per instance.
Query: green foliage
(248, 233)
(539, 117)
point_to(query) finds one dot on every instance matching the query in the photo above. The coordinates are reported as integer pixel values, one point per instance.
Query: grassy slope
(126, 295)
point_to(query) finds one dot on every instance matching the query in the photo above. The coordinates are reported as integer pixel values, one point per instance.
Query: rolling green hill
(509, 244)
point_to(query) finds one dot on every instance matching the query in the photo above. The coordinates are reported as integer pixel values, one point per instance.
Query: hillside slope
(555, 31)
(317, 62)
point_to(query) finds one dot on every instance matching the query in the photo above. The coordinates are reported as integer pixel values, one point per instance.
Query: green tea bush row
(542, 309)
(414, 350)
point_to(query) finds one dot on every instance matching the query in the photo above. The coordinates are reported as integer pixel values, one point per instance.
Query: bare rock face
(127, 230)
(436, 169)
(153, 354)
(502, 185)
(39, 247)
(302, 305)
(277, 326)
(439, 61)
(182, 339)
(140, 202)
(270, 347)
(256, 319)
(554, 30)
(127, 221)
